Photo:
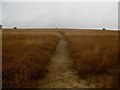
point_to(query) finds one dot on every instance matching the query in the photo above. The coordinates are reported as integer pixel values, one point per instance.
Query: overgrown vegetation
(26, 54)
(95, 53)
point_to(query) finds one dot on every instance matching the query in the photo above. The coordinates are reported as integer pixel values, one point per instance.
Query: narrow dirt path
(61, 73)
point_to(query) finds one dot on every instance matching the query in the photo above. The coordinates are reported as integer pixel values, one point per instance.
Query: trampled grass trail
(61, 73)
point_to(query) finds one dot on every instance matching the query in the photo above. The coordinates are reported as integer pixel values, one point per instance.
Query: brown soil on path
(61, 73)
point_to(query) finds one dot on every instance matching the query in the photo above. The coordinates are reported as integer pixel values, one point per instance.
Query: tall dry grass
(94, 52)
(26, 54)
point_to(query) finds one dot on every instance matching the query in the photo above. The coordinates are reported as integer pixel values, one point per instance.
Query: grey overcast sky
(60, 14)
(0, 12)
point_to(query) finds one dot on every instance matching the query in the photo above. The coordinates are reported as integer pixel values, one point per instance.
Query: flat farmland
(26, 54)
(95, 55)
(60, 58)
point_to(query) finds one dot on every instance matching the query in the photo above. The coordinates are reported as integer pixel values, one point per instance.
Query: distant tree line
(1, 26)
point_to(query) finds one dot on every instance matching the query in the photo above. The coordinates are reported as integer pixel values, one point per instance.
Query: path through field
(61, 73)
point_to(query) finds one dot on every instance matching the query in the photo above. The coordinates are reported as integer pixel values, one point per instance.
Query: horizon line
(57, 28)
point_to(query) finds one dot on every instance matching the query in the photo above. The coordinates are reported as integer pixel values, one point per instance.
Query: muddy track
(61, 73)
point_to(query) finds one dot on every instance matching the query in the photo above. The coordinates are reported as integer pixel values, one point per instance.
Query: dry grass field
(26, 54)
(95, 53)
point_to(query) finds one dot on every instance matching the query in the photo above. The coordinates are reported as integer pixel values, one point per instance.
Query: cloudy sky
(60, 14)
(0, 12)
